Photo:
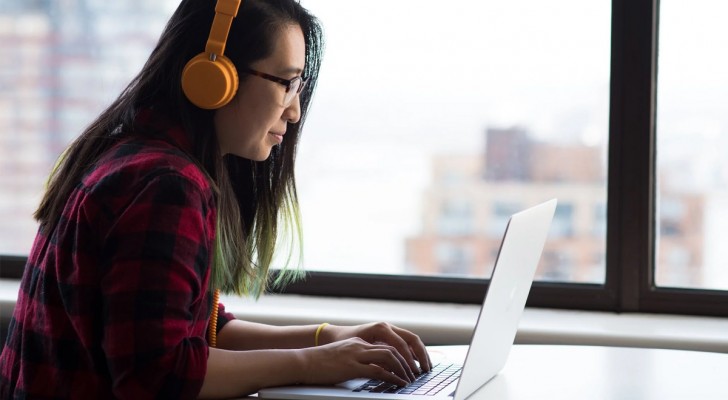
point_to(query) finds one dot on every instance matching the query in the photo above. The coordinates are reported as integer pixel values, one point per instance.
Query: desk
(556, 372)
(596, 373)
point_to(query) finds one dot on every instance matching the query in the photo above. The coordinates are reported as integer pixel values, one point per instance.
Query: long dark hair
(253, 197)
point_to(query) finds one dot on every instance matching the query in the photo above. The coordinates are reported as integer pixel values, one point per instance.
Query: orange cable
(212, 327)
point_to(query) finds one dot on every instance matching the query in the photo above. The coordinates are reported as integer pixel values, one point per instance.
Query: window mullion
(630, 238)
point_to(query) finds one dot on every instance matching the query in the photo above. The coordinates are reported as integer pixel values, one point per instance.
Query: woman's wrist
(327, 333)
(317, 335)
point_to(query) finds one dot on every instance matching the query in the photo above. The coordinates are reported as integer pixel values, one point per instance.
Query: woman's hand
(354, 358)
(407, 344)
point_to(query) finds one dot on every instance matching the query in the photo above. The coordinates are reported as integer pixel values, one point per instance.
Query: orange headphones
(210, 79)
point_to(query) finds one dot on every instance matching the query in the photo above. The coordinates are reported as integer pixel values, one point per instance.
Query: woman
(159, 204)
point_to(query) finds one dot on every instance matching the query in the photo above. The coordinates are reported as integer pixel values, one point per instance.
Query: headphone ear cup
(209, 84)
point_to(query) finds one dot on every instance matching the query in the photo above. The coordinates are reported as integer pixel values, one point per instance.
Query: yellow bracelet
(318, 332)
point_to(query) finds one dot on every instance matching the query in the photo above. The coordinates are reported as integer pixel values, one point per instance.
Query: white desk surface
(556, 372)
(597, 372)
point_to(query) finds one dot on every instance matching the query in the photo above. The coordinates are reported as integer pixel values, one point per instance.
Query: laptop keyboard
(427, 384)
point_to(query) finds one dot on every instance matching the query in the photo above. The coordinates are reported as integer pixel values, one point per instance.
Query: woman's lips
(278, 136)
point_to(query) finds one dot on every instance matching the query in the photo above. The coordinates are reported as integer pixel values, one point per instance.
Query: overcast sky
(406, 80)
(403, 81)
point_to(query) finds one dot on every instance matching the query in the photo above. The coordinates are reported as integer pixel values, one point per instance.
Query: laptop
(494, 332)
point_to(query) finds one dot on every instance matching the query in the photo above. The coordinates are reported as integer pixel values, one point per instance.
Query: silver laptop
(494, 331)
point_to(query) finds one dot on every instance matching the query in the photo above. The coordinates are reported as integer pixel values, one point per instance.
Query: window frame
(630, 257)
(629, 282)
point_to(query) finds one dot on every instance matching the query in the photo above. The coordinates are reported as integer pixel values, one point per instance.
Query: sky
(405, 80)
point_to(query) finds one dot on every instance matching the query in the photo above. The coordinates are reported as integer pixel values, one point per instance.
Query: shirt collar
(158, 125)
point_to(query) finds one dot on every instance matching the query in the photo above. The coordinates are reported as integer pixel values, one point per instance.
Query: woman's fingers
(404, 352)
(416, 347)
(394, 350)
(407, 344)
(356, 358)
(390, 359)
(376, 372)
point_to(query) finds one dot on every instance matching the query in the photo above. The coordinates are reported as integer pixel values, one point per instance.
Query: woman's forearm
(244, 335)
(240, 373)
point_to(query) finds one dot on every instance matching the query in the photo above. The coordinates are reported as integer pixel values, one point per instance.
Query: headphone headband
(225, 11)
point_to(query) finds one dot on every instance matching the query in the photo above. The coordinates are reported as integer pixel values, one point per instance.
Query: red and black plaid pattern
(114, 301)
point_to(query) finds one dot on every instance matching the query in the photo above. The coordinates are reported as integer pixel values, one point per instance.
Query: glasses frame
(288, 83)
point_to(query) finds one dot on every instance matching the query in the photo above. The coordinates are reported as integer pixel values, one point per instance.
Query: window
(432, 123)
(692, 139)
(563, 222)
(454, 259)
(500, 213)
(456, 218)
(471, 111)
(61, 63)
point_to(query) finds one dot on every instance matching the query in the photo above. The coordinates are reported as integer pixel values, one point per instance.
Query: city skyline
(440, 98)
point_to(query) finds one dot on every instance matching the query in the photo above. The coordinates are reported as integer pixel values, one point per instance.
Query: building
(467, 207)
(61, 63)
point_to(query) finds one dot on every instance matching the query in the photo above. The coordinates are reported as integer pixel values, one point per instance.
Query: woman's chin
(260, 155)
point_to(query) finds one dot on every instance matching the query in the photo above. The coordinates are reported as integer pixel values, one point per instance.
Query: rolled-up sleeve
(154, 283)
(223, 317)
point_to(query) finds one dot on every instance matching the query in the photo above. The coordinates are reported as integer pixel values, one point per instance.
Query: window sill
(439, 323)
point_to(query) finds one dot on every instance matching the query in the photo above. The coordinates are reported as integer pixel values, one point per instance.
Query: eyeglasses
(293, 86)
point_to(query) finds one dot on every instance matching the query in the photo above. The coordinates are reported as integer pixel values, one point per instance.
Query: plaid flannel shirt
(114, 302)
